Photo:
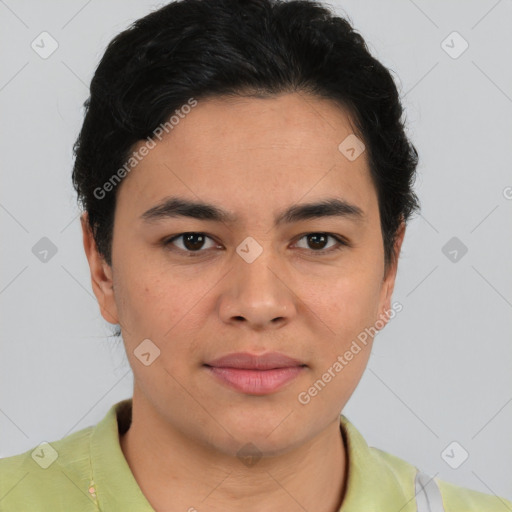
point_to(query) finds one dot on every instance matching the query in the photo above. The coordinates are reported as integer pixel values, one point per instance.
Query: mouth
(255, 375)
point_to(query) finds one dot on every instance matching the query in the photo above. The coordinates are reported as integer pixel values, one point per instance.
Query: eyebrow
(172, 207)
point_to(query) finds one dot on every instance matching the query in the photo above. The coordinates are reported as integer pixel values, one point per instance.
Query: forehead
(288, 121)
(253, 150)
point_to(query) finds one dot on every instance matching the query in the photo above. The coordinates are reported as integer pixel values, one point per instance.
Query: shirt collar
(113, 481)
(372, 483)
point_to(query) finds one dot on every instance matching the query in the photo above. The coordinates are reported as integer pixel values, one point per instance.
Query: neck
(176, 473)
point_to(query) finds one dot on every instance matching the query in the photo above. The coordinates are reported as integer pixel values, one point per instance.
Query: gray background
(440, 371)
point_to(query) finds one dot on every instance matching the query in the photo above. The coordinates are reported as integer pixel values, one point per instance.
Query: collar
(113, 482)
(376, 481)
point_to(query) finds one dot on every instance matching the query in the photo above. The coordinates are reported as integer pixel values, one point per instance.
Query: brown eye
(191, 242)
(317, 242)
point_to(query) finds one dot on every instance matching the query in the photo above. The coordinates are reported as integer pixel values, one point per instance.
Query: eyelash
(342, 243)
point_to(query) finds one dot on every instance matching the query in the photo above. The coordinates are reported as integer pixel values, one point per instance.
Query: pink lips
(256, 375)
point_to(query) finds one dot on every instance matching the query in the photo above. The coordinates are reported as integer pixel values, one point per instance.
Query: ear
(388, 283)
(101, 274)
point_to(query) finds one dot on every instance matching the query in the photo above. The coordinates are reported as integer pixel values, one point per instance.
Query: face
(256, 281)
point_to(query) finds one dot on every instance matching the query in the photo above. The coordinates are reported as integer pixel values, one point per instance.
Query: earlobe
(101, 274)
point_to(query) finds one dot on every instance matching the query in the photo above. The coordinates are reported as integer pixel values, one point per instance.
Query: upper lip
(247, 361)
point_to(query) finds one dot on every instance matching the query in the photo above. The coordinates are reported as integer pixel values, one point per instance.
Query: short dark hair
(259, 48)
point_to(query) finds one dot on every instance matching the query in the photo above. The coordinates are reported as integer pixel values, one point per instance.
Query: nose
(256, 294)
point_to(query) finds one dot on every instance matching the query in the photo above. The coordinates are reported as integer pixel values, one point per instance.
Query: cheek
(167, 310)
(145, 304)
(346, 304)
(347, 307)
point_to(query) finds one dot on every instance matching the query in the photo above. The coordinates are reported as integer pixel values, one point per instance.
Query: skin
(253, 157)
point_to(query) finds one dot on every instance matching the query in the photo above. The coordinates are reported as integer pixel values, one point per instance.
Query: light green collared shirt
(86, 471)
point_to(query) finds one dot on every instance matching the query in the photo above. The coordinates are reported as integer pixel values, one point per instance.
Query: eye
(317, 242)
(192, 242)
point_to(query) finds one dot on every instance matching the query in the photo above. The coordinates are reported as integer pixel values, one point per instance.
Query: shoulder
(458, 498)
(48, 475)
(455, 498)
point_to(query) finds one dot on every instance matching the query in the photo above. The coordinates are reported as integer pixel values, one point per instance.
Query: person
(246, 181)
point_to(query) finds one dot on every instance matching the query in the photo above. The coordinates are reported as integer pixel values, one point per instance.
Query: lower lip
(256, 382)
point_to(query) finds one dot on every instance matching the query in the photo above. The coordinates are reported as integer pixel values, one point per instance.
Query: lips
(246, 361)
(255, 375)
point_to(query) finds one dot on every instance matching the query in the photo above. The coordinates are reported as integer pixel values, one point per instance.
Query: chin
(268, 436)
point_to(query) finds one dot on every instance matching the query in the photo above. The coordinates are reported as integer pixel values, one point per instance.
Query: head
(287, 135)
